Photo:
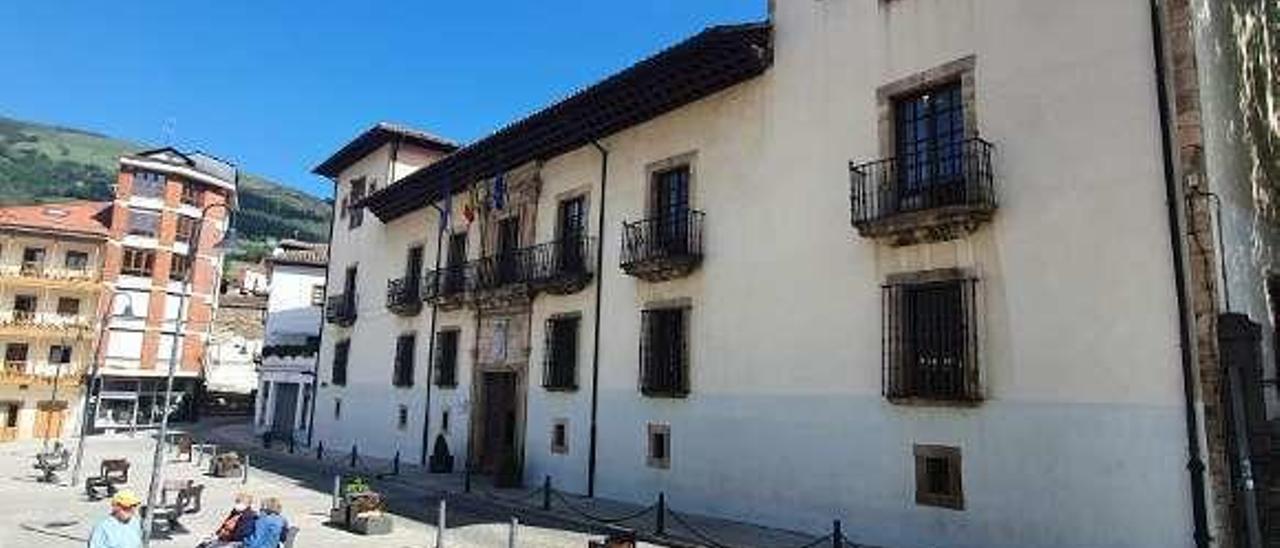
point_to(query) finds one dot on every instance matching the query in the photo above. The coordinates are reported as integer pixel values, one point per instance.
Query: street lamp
(157, 457)
(95, 375)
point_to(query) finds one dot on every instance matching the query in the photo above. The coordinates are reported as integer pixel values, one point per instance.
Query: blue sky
(276, 86)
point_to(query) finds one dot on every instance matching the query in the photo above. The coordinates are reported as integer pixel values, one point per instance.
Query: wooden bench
(112, 472)
(49, 464)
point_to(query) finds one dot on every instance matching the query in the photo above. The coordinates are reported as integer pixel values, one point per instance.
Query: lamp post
(157, 457)
(95, 378)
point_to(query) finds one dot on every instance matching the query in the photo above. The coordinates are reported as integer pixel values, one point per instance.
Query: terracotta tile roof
(82, 218)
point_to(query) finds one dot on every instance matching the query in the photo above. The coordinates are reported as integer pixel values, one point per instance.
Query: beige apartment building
(948, 271)
(50, 289)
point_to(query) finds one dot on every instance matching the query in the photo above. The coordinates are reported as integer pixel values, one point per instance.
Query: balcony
(33, 273)
(934, 195)
(663, 248)
(404, 296)
(562, 267)
(341, 310)
(448, 287)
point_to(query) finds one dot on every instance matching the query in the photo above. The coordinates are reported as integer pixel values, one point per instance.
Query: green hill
(42, 163)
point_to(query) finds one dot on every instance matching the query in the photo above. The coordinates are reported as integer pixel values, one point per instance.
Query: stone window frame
(685, 305)
(548, 340)
(580, 191)
(560, 436)
(652, 169)
(652, 459)
(953, 499)
(452, 380)
(976, 325)
(962, 69)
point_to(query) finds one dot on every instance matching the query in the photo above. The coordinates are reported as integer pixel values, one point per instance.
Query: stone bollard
(661, 522)
(546, 492)
(837, 535)
(355, 454)
(337, 489)
(511, 535)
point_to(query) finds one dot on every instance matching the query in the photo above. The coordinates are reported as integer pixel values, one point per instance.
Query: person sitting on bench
(270, 528)
(237, 526)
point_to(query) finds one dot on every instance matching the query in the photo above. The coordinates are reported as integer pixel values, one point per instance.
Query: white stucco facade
(1079, 439)
(286, 373)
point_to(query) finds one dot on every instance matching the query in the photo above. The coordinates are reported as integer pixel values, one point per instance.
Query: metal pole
(440, 524)
(511, 534)
(837, 534)
(245, 471)
(157, 457)
(337, 486)
(86, 415)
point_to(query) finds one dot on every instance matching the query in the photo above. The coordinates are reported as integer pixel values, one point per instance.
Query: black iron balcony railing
(563, 266)
(504, 269)
(341, 309)
(21, 316)
(931, 342)
(663, 247)
(404, 295)
(448, 284)
(955, 183)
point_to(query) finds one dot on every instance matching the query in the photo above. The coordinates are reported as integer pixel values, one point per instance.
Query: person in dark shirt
(237, 526)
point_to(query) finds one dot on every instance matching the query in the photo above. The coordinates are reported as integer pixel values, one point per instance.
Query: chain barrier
(519, 501)
(697, 533)
(604, 520)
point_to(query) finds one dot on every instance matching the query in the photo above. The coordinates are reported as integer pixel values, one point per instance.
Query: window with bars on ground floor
(930, 338)
(560, 371)
(446, 365)
(664, 352)
(341, 350)
(403, 374)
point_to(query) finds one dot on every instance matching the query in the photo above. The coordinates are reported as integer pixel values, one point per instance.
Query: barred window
(664, 352)
(931, 345)
(356, 213)
(403, 375)
(341, 350)
(938, 476)
(447, 358)
(560, 371)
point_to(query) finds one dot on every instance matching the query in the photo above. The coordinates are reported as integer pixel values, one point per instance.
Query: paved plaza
(55, 515)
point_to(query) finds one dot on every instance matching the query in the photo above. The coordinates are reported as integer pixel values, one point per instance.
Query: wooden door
(499, 427)
(49, 423)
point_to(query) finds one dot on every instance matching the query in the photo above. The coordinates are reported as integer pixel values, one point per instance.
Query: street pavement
(36, 514)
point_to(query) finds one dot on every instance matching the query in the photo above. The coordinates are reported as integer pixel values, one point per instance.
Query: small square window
(560, 437)
(938, 476)
(402, 418)
(444, 421)
(68, 306)
(659, 446)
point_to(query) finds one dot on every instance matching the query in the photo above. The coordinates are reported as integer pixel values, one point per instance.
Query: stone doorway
(499, 424)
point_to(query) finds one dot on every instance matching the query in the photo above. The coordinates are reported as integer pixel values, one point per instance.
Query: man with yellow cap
(121, 529)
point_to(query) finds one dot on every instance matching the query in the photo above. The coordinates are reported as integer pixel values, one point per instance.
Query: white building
(654, 286)
(235, 343)
(288, 365)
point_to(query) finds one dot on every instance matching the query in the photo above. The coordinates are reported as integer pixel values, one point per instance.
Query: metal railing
(955, 175)
(340, 309)
(404, 295)
(931, 341)
(450, 282)
(674, 236)
(564, 263)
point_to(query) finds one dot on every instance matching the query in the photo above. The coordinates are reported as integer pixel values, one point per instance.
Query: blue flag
(499, 191)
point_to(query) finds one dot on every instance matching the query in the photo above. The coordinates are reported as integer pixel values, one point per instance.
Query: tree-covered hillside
(40, 163)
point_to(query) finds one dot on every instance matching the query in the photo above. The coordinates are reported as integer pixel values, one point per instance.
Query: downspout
(431, 343)
(315, 369)
(1195, 464)
(595, 351)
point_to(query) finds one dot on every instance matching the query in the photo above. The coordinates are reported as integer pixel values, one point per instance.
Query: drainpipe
(431, 344)
(595, 351)
(315, 369)
(1195, 464)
